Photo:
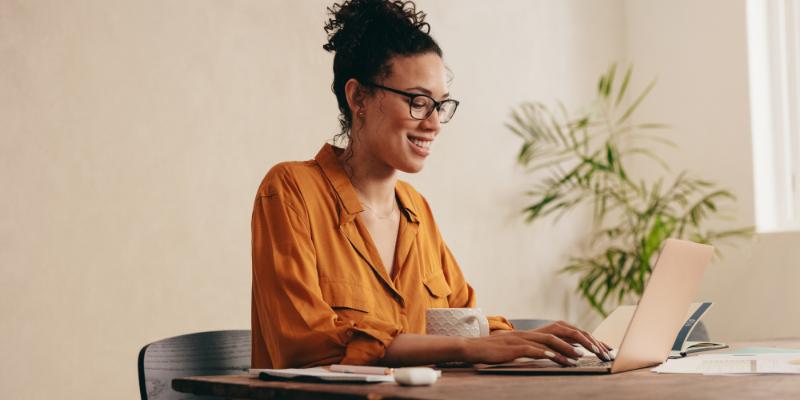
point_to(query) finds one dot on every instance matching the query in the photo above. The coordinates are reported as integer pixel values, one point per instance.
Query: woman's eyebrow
(426, 91)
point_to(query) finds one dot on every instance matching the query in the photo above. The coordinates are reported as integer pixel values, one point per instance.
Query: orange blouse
(321, 294)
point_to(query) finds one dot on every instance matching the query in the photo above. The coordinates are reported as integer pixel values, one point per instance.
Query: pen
(361, 369)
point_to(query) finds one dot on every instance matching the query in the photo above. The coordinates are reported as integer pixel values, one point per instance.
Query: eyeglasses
(421, 106)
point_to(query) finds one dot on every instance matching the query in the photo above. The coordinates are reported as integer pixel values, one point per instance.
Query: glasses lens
(421, 107)
(446, 110)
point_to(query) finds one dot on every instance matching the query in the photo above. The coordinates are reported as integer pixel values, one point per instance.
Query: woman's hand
(553, 341)
(574, 335)
(505, 347)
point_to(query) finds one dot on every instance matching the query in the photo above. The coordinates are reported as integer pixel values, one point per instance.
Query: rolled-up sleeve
(293, 324)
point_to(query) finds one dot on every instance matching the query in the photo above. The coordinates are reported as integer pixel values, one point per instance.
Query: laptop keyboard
(586, 361)
(592, 362)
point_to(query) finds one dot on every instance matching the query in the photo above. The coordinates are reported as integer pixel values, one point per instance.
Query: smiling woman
(346, 257)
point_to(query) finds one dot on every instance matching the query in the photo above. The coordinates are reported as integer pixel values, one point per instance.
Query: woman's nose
(432, 122)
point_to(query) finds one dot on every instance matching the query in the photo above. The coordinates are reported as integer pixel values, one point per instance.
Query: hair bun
(364, 35)
(355, 22)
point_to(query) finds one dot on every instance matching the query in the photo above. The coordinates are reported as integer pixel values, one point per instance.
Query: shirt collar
(402, 191)
(332, 169)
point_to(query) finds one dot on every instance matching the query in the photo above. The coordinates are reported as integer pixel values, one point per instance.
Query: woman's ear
(355, 94)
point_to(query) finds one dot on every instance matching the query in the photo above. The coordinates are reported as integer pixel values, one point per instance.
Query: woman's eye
(419, 103)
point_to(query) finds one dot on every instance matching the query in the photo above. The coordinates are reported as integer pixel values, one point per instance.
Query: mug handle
(483, 324)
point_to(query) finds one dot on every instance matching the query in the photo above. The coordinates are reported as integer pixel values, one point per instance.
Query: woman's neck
(374, 181)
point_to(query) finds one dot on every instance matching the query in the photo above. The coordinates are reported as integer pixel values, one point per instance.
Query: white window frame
(774, 60)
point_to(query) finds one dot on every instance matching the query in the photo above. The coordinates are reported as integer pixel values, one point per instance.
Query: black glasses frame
(437, 105)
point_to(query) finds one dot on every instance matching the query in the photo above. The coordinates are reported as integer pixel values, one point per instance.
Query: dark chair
(525, 324)
(204, 353)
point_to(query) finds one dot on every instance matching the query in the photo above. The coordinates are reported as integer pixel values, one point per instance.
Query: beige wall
(698, 52)
(134, 135)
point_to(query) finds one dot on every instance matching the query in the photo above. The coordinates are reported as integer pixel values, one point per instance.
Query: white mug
(469, 322)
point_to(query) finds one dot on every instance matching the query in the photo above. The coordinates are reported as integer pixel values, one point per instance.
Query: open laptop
(659, 316)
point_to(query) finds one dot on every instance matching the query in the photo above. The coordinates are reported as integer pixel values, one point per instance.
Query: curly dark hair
(365, 35)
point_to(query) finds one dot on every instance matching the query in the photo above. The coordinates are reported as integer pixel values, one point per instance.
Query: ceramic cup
(468, 322)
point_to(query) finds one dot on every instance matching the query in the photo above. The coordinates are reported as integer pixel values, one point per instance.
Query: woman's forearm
(413, 349)
(548, 342)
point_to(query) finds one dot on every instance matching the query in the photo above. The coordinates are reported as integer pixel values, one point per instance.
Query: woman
(347, 258)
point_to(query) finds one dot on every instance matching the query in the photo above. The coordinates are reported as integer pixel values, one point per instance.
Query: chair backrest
(525, 324)
(699, 333)
(203, 353)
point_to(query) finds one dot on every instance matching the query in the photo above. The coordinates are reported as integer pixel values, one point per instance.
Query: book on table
(612, 329)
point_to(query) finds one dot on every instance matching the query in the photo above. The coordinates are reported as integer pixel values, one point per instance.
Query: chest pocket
(350, 300)
(438, 290)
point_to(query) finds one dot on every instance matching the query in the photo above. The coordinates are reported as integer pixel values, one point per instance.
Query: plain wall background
(698, 52)
(134, 135)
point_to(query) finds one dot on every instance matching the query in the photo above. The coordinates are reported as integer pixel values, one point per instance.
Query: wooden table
(465, 384)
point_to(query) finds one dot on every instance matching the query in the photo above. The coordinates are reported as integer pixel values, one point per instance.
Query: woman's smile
(421, 145)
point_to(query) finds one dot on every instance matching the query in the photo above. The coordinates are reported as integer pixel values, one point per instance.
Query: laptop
(659, 316)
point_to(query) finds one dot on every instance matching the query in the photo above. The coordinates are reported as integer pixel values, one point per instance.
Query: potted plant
(585, 159)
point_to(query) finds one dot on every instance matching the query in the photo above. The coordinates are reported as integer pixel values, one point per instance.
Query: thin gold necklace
(378, 216)
(349, 171)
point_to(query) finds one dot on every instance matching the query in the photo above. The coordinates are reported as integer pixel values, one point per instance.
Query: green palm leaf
(585, 160)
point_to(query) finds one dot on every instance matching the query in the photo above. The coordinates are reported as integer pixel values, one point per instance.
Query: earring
(361, 113)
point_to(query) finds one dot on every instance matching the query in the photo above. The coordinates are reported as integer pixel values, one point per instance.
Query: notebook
(612, 329)
(318, 374)
(659, 316)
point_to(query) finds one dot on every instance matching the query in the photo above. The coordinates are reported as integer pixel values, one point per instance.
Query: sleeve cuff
(498, 323)
(368, 346)
(363, 350)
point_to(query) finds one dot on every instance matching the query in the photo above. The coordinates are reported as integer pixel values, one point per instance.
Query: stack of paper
(323, 374)
(716, 364)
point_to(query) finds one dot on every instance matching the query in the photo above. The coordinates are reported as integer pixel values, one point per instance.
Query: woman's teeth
(425, 144)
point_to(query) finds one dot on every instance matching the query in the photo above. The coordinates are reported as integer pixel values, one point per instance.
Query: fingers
(553, 343)
(596, 347)
(589, 343)
(601, 344)
(546, 352)
(565, 330)
(606, 355)
(508, 347)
